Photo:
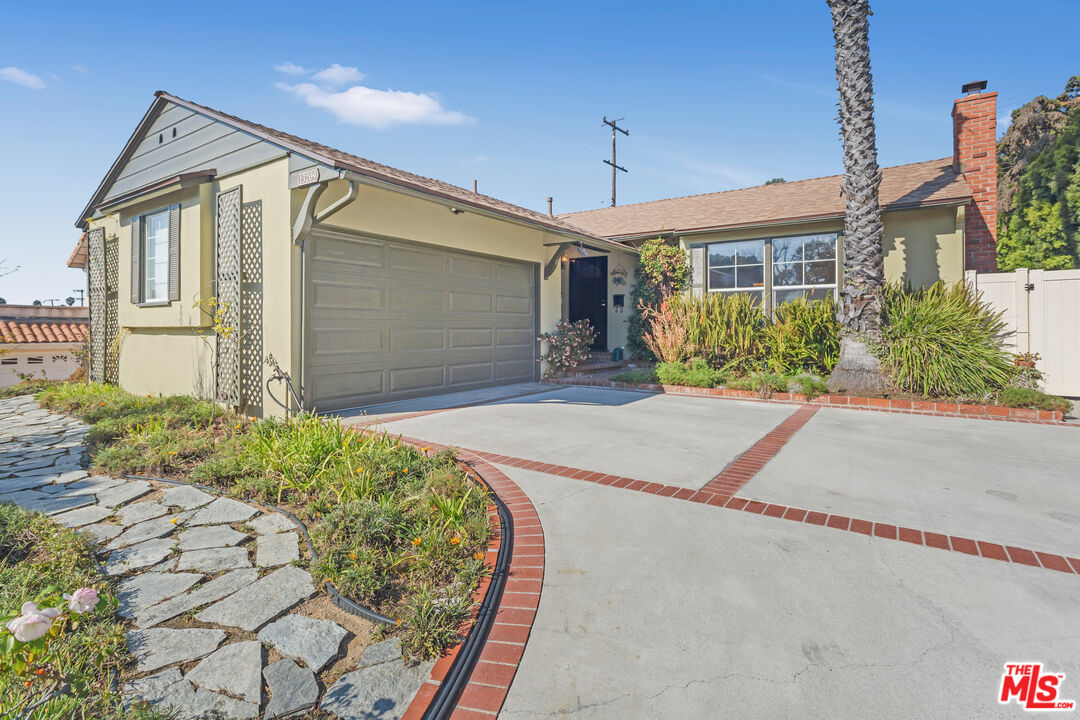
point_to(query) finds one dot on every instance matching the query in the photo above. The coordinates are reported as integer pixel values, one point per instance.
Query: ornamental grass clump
(944, 341)
(802, 337)
(568, 346)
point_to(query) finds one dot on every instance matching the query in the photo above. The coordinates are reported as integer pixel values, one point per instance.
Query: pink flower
(33, 623)
(82, 600)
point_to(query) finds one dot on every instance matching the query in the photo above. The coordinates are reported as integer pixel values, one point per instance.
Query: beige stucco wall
(58, 361)
(161, 349)
(397, 215)
(920, 246)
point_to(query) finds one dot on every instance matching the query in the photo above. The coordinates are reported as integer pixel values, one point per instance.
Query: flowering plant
(27, 637)
(568, 346)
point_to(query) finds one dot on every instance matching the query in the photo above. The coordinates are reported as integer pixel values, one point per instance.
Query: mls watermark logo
(1032, 689)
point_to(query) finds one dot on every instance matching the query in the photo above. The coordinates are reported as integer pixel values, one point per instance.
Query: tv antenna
(615, 167)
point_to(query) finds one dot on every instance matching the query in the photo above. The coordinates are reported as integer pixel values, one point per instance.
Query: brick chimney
(975, 155)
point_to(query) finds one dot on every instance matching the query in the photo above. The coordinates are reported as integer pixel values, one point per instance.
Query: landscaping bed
(398, 529)
(37, 557)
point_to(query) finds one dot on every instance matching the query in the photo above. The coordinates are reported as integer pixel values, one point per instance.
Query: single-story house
(780, 241)
(41, 341)
(364, 283)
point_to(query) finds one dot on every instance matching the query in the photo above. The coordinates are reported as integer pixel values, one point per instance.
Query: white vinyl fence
(1042, 312)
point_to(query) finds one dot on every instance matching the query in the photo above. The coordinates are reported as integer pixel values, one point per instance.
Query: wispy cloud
(21, 77)
(362, 105)
(81, 69)
(337, 75)
(291, 69)
(379, 109)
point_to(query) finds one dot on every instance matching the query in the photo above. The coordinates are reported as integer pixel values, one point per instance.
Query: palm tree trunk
(859, 304)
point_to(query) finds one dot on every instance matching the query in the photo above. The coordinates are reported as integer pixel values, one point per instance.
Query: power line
(615, 167)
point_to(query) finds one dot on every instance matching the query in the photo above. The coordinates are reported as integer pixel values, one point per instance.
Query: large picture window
(775, 269)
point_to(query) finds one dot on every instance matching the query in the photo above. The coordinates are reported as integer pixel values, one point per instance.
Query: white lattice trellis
(98, 315)
(229, 209)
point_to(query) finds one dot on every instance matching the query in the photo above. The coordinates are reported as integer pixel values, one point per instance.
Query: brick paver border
(907, 407)
(489, 680)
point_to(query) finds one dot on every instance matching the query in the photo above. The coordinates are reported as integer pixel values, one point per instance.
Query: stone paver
(158, 527)
(185, 497)
(261, 601)
(209, 536)
(222, 510)
(292, 689)
(235, 670)
(139, 556)
(271, 523)
(274, 550)
(212, 591)
(123, 493)
(378, 691)
(159, 647)
(163, 691)
(102, 531)
(214, 560)
(140, 512)
(314, 641)
(83, 516)
(140, 592)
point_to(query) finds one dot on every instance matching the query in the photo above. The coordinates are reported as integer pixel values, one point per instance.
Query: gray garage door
(389, 320)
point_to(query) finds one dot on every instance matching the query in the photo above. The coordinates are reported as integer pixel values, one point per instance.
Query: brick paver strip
(883, 531)
(747, 465)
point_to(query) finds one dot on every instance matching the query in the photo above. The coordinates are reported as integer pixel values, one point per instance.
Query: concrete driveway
(671, 607)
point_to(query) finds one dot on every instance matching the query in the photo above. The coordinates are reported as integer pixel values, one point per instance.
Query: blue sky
(716, 95)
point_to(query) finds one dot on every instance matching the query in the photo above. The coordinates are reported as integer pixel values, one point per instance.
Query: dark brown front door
(588, 296)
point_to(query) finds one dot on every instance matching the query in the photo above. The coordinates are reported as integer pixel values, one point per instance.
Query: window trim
(768, 289)
(138, 223)
(143, 257)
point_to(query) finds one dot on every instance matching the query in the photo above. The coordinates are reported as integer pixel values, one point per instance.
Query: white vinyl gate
(1042, 312)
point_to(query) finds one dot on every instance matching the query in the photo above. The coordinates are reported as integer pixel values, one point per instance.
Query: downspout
(305, 220)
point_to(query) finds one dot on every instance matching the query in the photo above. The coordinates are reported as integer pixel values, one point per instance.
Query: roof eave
(795, 220)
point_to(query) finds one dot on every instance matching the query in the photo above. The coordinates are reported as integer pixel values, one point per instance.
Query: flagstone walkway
(225, 617)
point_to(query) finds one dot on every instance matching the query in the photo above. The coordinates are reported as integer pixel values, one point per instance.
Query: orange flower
(478, 556)
(416, 542)
(455, 540)
(39, 671)
(424, 449)
(406, 471)
(352, 555)
(101, 404)
(27, 683)
(399, 622)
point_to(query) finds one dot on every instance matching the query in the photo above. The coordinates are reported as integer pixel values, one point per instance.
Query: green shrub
(802, 337)
(636, 377)
(661, 271)
(727, 329)
(696, 374)
(809, 385)
(942, 342)
(1027, 398)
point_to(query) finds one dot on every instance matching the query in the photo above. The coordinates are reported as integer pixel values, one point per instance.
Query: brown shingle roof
(43, 331)
(926, 183)
(369, 168)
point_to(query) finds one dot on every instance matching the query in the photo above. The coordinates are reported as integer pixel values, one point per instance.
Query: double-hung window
(155, 254)
(156, 257)
(775, 270)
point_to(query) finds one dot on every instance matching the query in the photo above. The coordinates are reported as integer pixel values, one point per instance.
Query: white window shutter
(136, 261)
(174, 252)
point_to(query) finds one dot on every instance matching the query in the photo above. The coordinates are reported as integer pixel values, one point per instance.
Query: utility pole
(615, 168)
(80, 292)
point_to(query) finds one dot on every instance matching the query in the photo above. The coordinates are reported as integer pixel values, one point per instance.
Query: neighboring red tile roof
(43, 331)
(903, 186)
(77, 259)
